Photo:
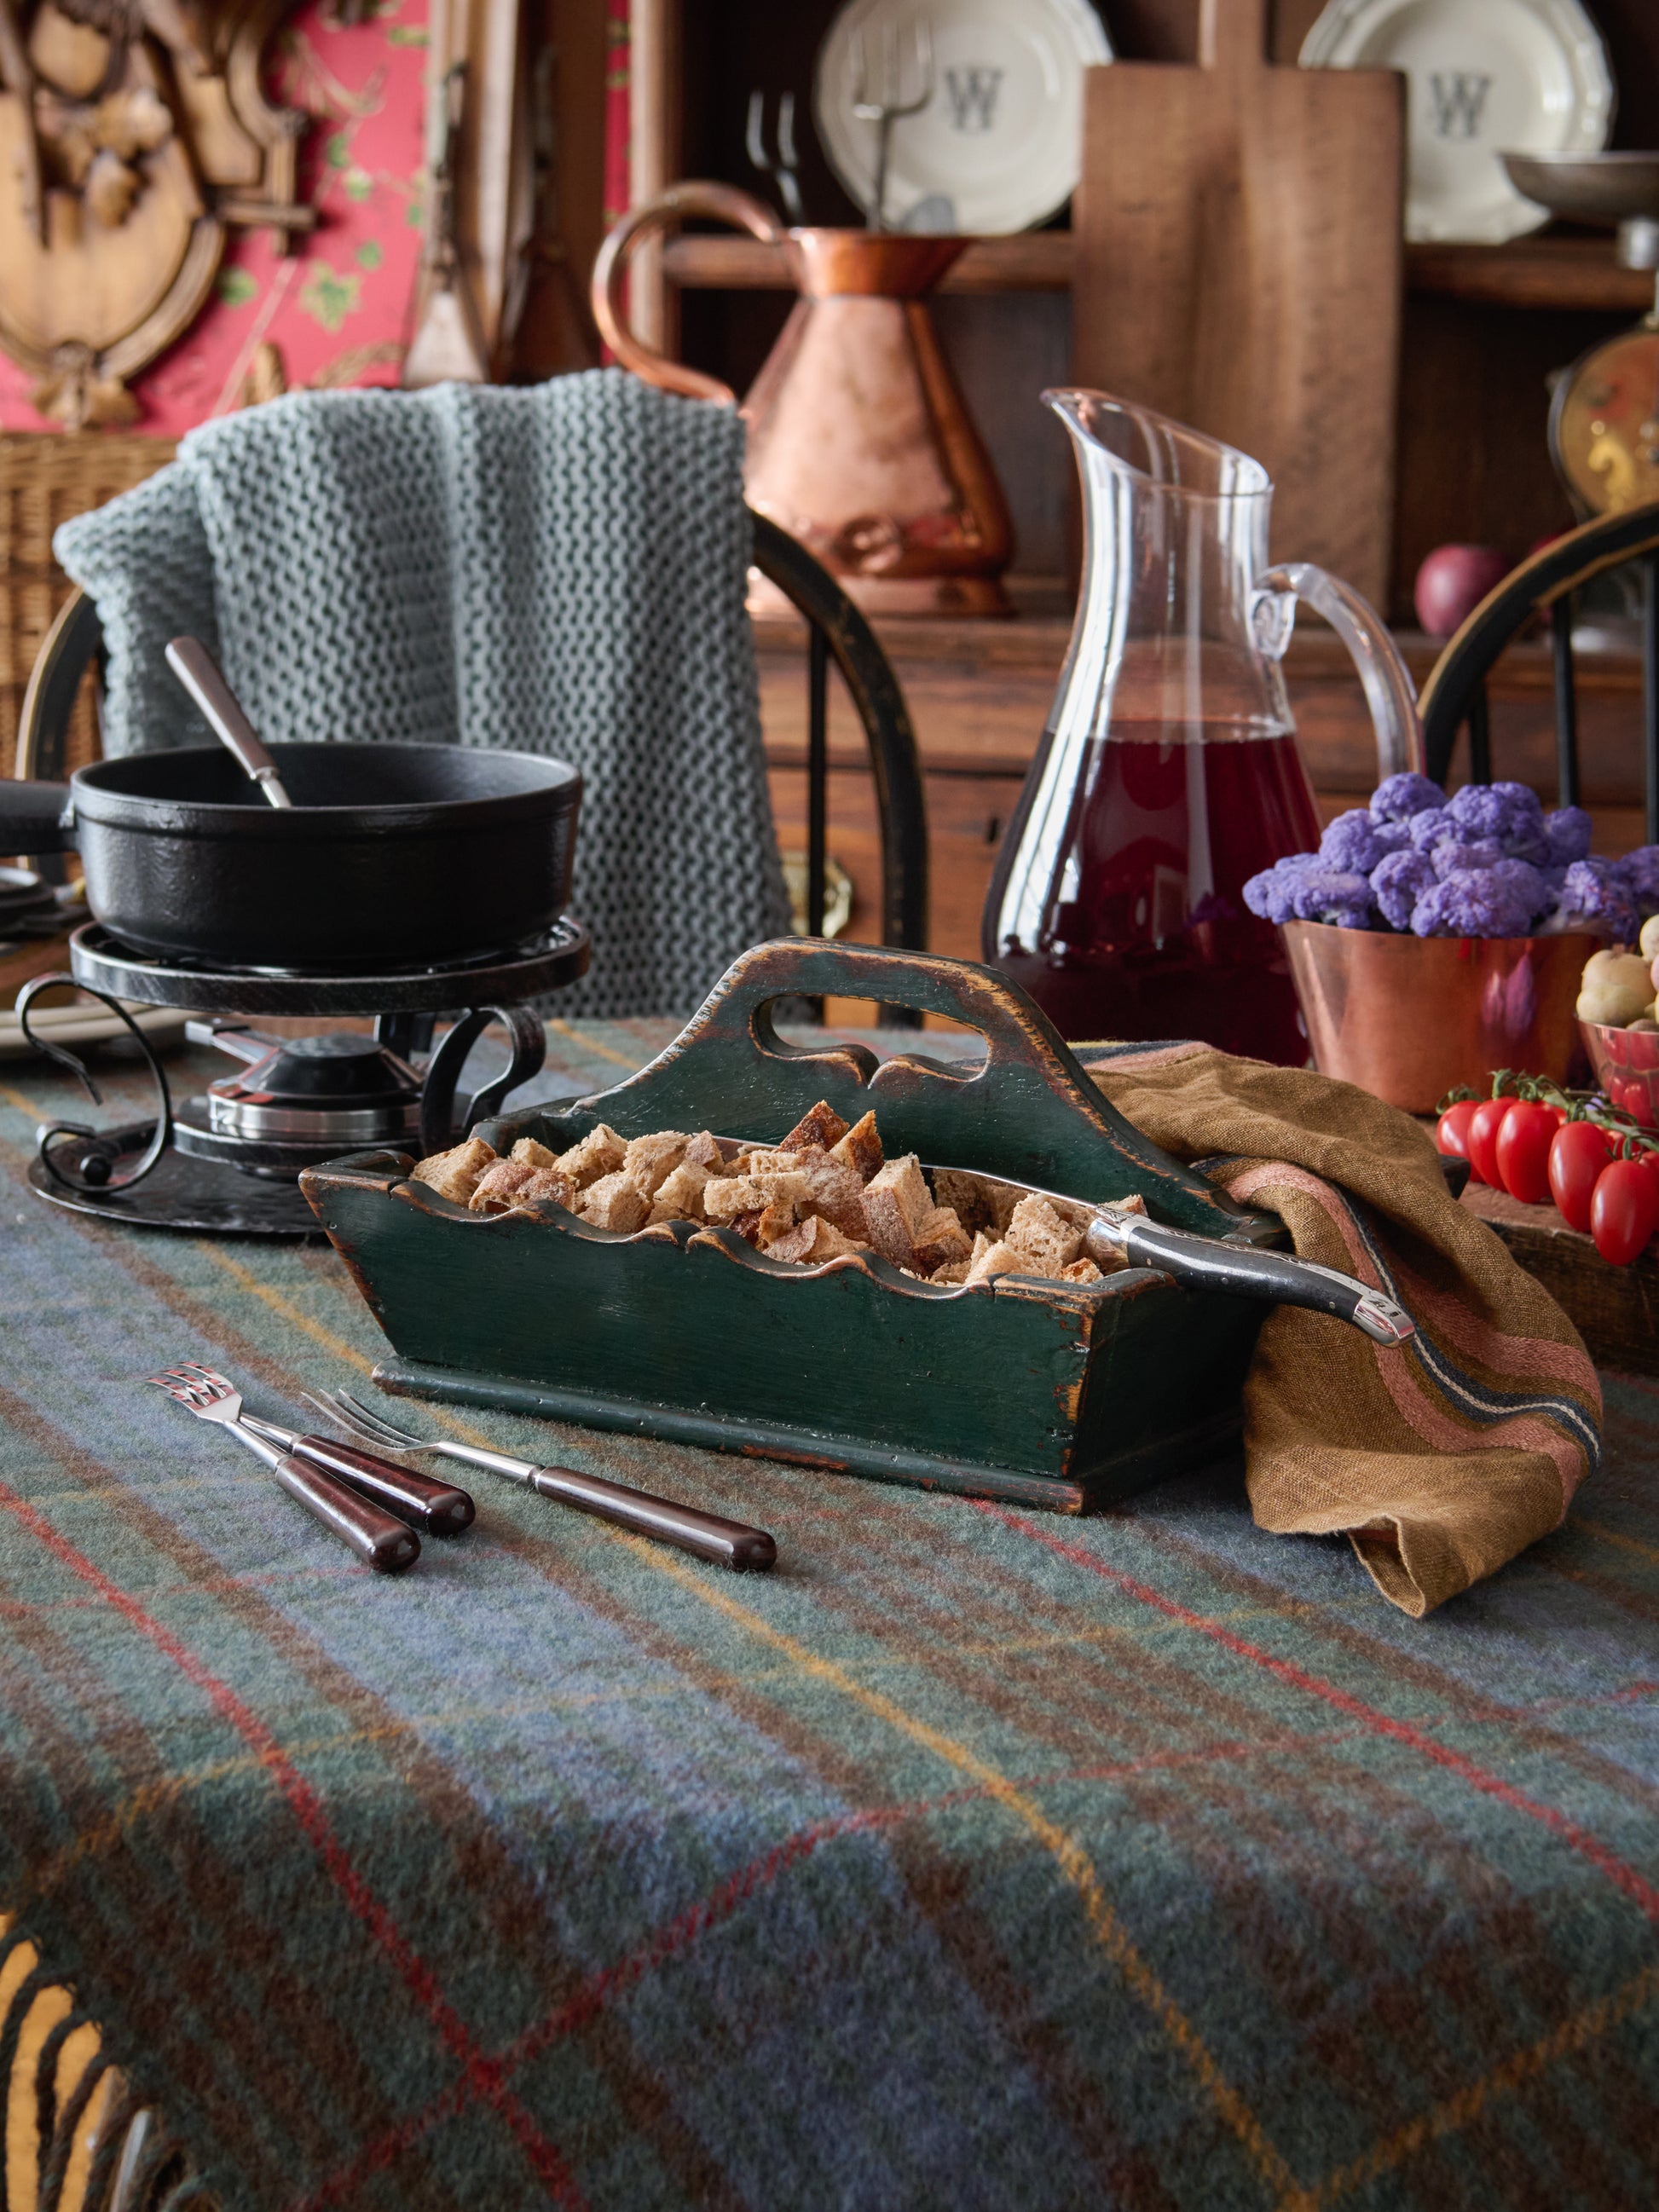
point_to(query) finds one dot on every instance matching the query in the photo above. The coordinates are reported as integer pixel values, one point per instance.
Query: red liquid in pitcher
(1146, 932)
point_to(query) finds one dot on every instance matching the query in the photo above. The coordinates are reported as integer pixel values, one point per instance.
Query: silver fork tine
(341, 1407)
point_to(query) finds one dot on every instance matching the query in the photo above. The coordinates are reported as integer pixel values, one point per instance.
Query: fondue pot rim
(537, 780)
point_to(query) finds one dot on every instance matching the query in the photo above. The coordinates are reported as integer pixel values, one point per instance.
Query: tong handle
(730, 1543)
(437, 1509)
(374, 1535)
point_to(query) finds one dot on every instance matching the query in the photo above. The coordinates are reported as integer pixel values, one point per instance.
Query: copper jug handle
(695, 196)
(1384, 676)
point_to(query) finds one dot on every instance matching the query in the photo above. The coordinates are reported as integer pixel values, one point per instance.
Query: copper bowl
(1626, 1066)
(1410, 1017)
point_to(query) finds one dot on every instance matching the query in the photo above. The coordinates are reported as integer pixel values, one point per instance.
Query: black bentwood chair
(1545, 584)
(835, 630)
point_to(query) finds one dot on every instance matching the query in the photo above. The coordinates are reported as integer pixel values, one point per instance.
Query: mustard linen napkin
(1439, 1459)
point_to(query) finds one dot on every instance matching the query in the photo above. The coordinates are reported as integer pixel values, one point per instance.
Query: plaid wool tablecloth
(973, 1859)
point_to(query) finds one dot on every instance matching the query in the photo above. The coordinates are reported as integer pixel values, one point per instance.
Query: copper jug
(860, 443)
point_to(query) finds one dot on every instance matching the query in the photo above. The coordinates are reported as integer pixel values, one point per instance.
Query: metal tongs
(1210, 1263)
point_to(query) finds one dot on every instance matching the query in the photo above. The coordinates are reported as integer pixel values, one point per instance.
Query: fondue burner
(227, 1161)
(301, 1100)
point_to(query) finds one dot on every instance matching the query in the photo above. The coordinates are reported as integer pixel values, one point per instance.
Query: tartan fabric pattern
(975, 1858)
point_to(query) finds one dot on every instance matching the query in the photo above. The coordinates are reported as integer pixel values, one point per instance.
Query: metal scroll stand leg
(440, 1128)
(87, 1160)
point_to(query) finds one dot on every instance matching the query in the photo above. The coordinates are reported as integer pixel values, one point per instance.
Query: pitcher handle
(1390, 691)
(695, 196)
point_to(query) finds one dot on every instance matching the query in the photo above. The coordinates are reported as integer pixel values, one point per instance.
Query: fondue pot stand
(391, 856)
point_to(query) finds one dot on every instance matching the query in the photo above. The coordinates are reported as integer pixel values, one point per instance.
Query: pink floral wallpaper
(337, 311)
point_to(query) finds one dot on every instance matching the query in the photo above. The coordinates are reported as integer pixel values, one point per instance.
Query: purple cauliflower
(1428, 827)
(1480, 903)
(1449, 857)
(1508, 811)
(1639, 872)
(1398, 881)
(1527, 883)
(1304, 889)
(1355, 842)
(1567, 833)
(1595, 895)
(1340, 895)
(1397, 798)
(1271, 894)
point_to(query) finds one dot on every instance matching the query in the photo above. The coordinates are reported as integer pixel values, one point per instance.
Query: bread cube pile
(826, 1189)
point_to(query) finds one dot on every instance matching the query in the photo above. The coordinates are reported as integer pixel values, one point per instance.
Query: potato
(1617, 988)
(1648, 940)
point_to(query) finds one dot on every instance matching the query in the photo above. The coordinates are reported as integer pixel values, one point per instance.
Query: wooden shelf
(1028, 261)
(1567, 273)
(1532, 272)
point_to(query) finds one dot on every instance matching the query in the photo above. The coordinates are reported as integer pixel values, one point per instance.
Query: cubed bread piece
(454, 1174)
(796, 1244)
(813, 1241)
(1137, 1204)
(703, 1151)
(828, 1242)
(533, 1155)
(820, 1125)
(724, 1197)
(679, 1195)
(968, 1198)
(615, 1202)
(859, 1149)
(649, 1159)
(764, 1160)
(939, 1240)
(601, 1152)
(777, 1220)
(896, 1201)
(990, 1258)
(512, 1182)
(1045, 1241)
(956, 1272)
(1081, 1270)
(832, 1190)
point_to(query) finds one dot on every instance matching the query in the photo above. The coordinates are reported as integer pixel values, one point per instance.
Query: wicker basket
(46, 476)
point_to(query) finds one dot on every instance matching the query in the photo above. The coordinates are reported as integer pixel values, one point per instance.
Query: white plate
(85, 1021)
(1486, 77)
(1000, 145)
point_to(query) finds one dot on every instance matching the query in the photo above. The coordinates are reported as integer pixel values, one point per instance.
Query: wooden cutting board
(1238, 266)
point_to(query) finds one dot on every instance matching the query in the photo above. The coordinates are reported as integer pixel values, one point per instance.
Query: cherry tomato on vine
(1624, 1211)
(1488, 1119)
(1578, 1152)
(1522, 1151)
(1451, 1130)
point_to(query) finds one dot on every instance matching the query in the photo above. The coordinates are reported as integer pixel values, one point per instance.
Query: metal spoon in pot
(202, 676)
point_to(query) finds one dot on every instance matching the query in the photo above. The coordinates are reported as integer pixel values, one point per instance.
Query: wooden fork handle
(374, 1535)
(437, 1509)
(732, 1543)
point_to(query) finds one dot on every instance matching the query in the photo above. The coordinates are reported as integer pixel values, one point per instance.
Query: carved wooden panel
(133, 135)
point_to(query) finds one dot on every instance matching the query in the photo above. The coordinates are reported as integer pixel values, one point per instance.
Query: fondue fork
(435, 1509)
(1242, 1271)
(386, 1543)
(730, 1543)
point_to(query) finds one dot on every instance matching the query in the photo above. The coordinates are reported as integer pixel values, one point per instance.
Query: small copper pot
(1410, 1017)
(861, 443)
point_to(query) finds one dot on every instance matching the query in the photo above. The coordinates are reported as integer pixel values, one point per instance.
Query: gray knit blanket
(559, 570)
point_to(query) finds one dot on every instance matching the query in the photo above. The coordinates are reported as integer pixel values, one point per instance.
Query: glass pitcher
(1169, 774)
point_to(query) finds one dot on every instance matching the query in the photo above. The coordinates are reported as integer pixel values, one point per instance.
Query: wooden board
(1614, 1309)
(1238, 266)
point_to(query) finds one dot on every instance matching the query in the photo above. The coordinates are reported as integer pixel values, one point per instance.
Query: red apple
(1452, 582)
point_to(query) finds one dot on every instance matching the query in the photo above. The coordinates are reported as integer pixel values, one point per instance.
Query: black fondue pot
(391, 855)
